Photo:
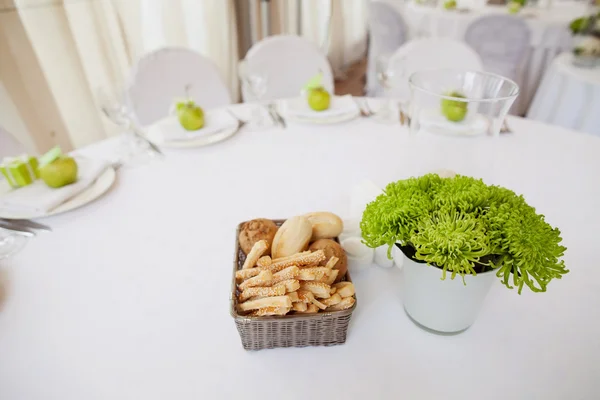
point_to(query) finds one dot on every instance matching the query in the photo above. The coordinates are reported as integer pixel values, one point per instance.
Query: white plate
(473, 125)
(170, 124)
(324, 121)
(93, 192)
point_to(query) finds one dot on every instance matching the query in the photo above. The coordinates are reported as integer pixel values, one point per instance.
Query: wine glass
(135, 149)
(254, 82)
(385, 76)
(10, 243)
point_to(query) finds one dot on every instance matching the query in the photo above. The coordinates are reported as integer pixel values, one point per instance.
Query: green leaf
(50, 156)
(314, 82)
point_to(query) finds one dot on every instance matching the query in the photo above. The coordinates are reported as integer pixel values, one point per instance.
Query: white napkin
(299, 108)
(214, 121)
(38, 197)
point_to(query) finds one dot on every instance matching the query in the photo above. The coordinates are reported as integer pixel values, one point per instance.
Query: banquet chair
(9, 145)
(289, 62)
(160, 78)
(426, 54)
(387, 32)
(502, 41)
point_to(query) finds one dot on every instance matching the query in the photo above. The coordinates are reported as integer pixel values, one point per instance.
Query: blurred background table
(549, 34)
(569, 96)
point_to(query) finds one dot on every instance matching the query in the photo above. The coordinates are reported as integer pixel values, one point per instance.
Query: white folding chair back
(160, 77)
(426, 54)
(387, 32)
(9, 146)
(502, 42)
(289, 62)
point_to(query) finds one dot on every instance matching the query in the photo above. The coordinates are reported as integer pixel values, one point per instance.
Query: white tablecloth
(128, 297)
(569, 96)
(549, 35)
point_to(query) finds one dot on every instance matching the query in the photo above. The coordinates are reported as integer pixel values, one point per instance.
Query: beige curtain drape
(55, 54)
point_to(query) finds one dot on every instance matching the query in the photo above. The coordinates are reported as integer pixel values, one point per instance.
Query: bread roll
(325, 225)
(332, 248)
(292, 237)
(256, 230)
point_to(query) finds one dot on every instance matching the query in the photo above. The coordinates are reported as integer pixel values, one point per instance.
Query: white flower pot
(448, 305)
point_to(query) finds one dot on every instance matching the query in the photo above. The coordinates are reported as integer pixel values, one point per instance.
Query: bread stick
(257, 250)
(319, 289)
(243, 274)
(312, 274)
(299, 306)
(264, 261)
(300, 260)
(263, 312)
(258, 280)
(345, 289)
(278, 290)
(291, 285)
(278, 301)
(343, 305)
(333, 300)
(332, 261)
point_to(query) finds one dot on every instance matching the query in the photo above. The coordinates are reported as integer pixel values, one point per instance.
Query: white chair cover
(160, 77)
(432, 53)
(9, 146)
(289, 62)
(387, 32)
(502, 42)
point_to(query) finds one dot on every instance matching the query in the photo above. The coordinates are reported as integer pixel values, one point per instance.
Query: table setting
(266, 234)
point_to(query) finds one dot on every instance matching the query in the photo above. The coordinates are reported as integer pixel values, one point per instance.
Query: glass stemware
(254, 82)
(134, 148)
(10, 243)
(385, 76)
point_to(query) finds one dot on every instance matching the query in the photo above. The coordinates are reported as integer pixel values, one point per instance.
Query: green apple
(454, 110)
(514, 7)
(60, 172)
(319, 99)
(191, 117)
(450, 4)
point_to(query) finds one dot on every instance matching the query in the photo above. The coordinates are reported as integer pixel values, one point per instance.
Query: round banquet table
(549, 34)
(569, 96)
(128, 297)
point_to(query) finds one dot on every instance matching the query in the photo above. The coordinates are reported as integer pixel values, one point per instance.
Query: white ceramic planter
(443, 305)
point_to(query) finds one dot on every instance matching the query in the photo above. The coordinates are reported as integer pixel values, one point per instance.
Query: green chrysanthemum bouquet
(464, 226)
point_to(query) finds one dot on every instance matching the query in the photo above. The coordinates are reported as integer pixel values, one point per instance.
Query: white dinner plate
(171, 124)
(343, 108)
(324, 121)
(93, 192)
(473, 125)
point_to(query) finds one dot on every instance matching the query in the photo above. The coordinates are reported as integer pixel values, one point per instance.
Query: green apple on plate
(191, 116)
(514, 7)
(450, 4)
(57, 170)
(318, 97)
(454, 110)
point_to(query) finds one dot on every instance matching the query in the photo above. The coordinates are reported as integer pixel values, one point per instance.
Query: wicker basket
(295, 330)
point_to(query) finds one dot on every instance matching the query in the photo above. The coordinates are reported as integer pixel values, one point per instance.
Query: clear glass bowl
(459, 103)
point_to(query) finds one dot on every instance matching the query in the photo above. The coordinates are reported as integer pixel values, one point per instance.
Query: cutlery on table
(19, 230)
(121, 119)
(272, 115)
(27, 223)
(277, 115)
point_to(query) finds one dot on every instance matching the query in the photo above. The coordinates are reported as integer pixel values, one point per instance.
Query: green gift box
(20, 171)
